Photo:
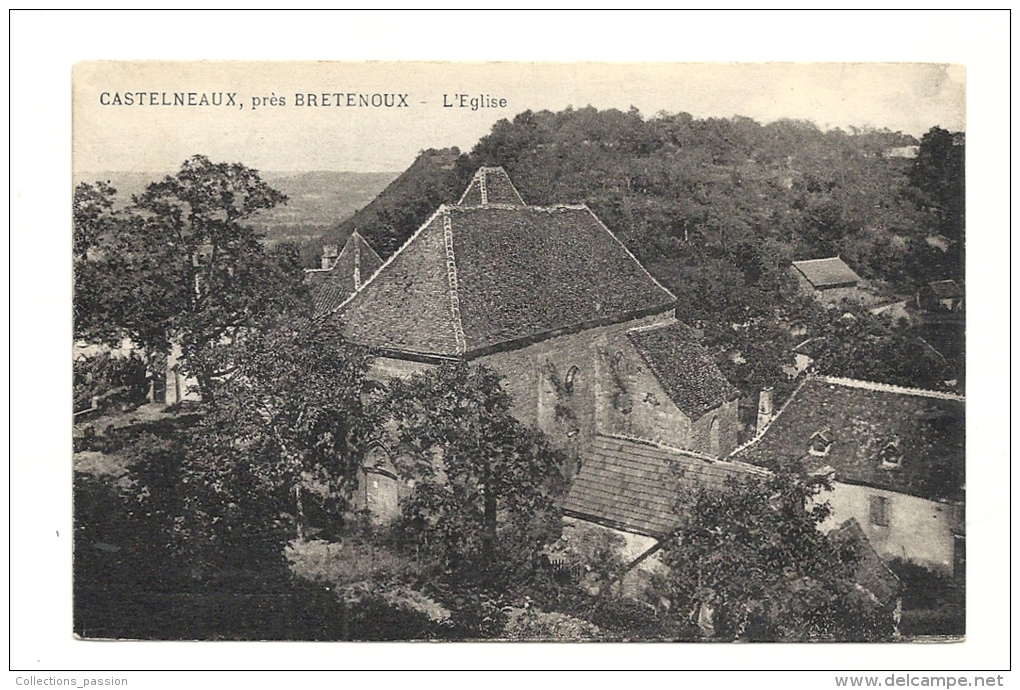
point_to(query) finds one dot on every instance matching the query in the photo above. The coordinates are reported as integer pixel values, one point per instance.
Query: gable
(683, 368)
(355, 264)
(406, 307)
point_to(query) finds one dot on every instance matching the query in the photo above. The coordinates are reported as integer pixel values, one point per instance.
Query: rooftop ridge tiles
(655, 326)
(808, 261)
(758, 435)
(479, 177)
(442, 208)
(451, 274)
(889, 388)
(715, 462)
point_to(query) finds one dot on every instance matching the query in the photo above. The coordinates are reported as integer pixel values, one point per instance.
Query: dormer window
(891, 455)
(821, 442)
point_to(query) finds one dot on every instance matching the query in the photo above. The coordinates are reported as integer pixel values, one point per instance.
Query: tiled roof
(476, 279)
(902, 439)
(827, 273)
(871, 571)
(632, 485)
(491, 186)
(356, 263)
(683, 367)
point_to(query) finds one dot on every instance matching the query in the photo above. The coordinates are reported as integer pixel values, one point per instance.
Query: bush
(119, 380)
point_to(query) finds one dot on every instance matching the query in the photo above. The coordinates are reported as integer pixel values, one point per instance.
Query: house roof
(827, 273)
(901, 439)
(631, 484)
(491, 186)
(871, 572)
(683, 367)
(477, 279)
(354, 265)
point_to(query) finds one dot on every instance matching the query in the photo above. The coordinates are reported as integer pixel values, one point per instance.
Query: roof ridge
(629, 253)
(890, 388)
(654, 326)
(758, 435)
(451, 275)
(754, 469)
(518, 207)
(412, 238)
(826, 258)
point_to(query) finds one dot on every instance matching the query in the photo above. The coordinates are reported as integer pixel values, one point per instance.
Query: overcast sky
(901, 97)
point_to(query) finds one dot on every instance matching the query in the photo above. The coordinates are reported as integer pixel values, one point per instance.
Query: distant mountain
(317, 201)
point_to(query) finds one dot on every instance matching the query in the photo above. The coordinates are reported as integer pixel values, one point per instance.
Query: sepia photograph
(544, 352)
(371, 341)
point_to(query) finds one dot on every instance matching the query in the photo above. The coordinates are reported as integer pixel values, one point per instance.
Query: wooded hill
(717, 208)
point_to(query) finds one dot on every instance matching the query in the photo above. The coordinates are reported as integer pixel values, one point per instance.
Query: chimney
(764, 409)
(329, 254)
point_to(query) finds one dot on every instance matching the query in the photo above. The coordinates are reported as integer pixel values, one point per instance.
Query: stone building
(896, 457)
(585, 338)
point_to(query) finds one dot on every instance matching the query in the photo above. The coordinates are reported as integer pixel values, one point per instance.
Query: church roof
(490, 186)
(683, 368)
(353, 267)
(632, 485)
(479, 279)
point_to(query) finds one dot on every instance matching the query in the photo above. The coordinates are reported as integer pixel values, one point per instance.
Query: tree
(180, 266)
(289, 423)
(939, 173)
(751, 562)
(94, 221)
(484, 482)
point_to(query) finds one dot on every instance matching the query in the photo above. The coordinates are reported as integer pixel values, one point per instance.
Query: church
(585, 338)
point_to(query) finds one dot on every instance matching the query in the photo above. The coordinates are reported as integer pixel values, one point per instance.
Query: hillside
(717, 209)
(436, 177)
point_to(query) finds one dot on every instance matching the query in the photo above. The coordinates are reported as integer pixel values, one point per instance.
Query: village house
(585, 338)
(829, 280)
(895, 455)
(941, 296)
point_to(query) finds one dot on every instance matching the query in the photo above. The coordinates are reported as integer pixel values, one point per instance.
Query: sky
(295, 136)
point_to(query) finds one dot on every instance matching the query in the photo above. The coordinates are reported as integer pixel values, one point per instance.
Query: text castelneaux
(220, 99)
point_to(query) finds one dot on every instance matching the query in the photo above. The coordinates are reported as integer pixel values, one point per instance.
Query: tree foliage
(180, 265)
(715, 208)
(752, 561)
(484, 482)
(287, 428)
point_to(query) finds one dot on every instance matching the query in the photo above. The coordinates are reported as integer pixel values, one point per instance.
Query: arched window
(568, 382)
(713, 437)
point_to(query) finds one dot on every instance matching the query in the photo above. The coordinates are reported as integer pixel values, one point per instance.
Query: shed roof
(354, 265)
(871, 572)
(477, 279)
(631, 484)
(683, 367)
(901, 439)
(827, 273)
